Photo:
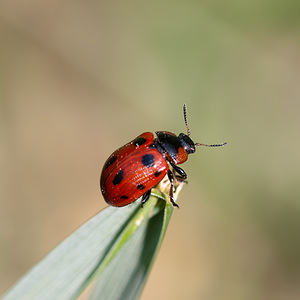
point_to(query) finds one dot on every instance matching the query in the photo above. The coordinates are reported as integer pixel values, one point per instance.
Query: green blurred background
(81, 78)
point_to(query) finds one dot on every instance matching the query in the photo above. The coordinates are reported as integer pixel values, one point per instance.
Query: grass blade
(118, 245)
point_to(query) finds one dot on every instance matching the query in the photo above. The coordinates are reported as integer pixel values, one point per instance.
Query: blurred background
(78, 79)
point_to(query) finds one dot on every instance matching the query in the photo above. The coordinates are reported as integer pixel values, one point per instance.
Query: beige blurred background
(80, 78)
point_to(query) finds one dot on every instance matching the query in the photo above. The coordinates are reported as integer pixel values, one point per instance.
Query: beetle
(135, 168)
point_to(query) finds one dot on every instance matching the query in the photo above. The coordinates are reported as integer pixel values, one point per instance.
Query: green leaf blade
(118, 245)
(64, 270)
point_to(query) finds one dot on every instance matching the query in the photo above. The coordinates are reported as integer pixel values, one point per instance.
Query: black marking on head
(110, 162)
(187, 143)
(140, 186)
(118, 178)
(148, 160)
(157, 173)
(124, 197)
(139, 141)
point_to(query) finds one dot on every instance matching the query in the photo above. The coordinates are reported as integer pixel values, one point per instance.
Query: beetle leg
(181, 177)
(171, 178)
(180, 171)
(145, 197)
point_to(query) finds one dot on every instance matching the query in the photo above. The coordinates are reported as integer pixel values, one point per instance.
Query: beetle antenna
(188, 131)
(213, 145)
(185, 120)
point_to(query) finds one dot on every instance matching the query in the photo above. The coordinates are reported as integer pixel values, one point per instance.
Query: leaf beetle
(135, 168)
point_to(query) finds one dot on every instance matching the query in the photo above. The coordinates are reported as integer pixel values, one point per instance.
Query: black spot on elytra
(139, 141)
(152, 146)
(140, 186)
(148, 160)
(124, 197)
(157, 173)
(110, 162)
(118, 178)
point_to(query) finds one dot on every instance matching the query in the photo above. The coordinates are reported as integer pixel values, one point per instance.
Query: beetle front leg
(179, 171)
(171, 178)
(181, 177)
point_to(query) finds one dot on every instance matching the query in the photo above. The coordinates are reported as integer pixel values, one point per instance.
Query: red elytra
(135, 168)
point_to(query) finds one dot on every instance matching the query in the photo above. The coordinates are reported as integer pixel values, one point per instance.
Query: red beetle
(135, 168)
